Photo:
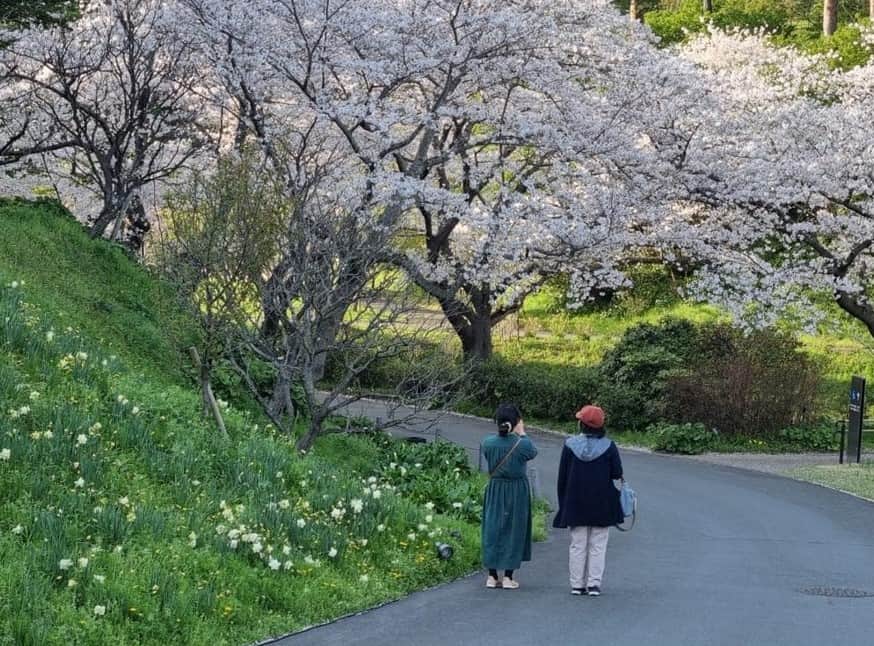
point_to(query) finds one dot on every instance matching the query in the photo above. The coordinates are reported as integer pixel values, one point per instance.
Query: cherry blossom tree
(108, 102)
(500, 142)
(777, 195)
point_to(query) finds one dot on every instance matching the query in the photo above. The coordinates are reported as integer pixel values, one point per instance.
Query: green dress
(506, 529)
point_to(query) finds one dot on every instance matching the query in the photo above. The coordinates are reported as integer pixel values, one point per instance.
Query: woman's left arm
(615, 464)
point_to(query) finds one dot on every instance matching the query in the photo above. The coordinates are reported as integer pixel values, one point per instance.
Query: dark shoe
(594, 592)
(577, 592)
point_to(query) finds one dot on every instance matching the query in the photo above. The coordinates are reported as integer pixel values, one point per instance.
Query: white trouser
(588, 554)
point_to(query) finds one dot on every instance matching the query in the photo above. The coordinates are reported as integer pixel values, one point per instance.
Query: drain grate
(842, 593)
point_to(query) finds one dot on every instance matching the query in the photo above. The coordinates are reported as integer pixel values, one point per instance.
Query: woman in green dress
(506, 530)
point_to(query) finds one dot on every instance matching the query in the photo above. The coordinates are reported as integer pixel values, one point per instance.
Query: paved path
(719, 557)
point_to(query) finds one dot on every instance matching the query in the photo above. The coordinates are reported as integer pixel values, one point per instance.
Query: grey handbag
(628, 500)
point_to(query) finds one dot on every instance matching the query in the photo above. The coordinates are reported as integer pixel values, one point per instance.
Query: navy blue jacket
(586, 493)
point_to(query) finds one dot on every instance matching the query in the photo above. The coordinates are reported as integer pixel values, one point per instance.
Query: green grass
(125, 519)
(855, 478)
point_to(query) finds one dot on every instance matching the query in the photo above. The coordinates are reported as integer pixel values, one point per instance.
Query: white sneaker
(492, 582)
(509, 584)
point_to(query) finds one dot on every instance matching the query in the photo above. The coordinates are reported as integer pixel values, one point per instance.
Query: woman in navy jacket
(588, 499)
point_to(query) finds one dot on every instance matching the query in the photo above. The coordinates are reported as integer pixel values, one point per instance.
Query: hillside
(123, 518)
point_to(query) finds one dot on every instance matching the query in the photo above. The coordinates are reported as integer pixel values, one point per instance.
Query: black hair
(507, 416)
(591, 431)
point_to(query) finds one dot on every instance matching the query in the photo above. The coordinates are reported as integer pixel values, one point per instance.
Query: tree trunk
(634, 10)
(99, 226)
(829, 17)
(317, 415)
(281, 403)
(476, 338)
(473, 326)
(871, 9)
(210, 405)
(707, 6)
(306, 440)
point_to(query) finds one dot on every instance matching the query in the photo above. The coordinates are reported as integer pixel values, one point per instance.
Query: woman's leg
(577, 556)
(508, 574)
(597, 555)
(493, 573)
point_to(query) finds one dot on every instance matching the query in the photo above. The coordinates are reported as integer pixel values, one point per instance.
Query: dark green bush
(688, 438)
(540, 390)
(635, 374)
(812, 437)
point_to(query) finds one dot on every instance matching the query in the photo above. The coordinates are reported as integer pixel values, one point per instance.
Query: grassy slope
(855, 478)
(92, 287)
(138, 493)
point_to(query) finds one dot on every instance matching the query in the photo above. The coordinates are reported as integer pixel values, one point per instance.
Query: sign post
(856, 417)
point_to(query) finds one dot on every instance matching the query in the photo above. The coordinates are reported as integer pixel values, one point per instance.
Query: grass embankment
(854, 478)
(124, 518)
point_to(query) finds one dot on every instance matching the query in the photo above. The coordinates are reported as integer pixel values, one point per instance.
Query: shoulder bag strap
(504, 459)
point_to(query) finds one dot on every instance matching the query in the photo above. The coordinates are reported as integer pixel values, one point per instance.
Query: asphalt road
(719, 556)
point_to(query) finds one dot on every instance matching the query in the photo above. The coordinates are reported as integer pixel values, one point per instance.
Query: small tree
(220, 231)
(289, 282)
(331, 296)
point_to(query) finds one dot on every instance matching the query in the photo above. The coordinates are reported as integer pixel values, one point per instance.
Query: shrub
(540, 390)
(689, 439)
(760, 385)
(635, 373)
(436, 474)
(814, 437)
(673, 26)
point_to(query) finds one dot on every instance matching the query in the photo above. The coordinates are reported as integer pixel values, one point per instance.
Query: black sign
(857, 414)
